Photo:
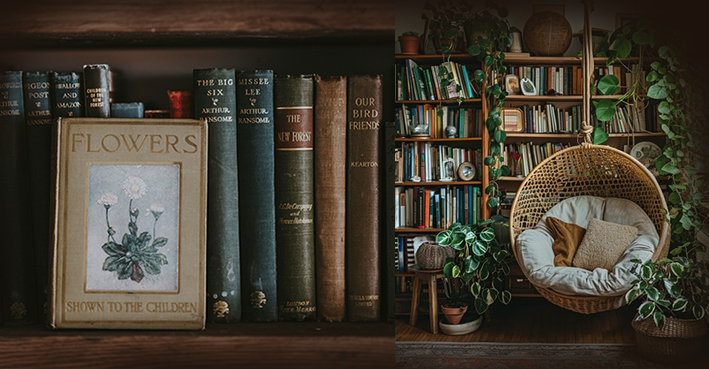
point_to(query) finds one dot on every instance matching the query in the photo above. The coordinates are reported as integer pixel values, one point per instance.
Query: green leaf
(479, 76)
(632, 294)
(448, 270)
(133, 228)
(505, 297)
(651, 77)
(674, 198)
(488, 61)
(455, 271)
(646, 272)
(491, 295)
(457, 240)
(479, 248)
(128, 242)
(623, 47)
(686, 222)
(160, 242)
(659, 319)
(474, 50)
(490, 189)
(113, 249)
(605, 110)
(487, 234)
(475, 289)
(125, 270)
(599, 135)
(504, 170)
(500, 136)
(152, 266)
(698, 311)
(111, 263)
(488, 160)
(608, 85)
(653, 293)
(646, 308)
(470, 264)
(470, 237)
(657, 92)
(493, 202)
(480, 306)
(642, 37)
(680, 304)
(669, 168)
(443, 238)
(677, 269)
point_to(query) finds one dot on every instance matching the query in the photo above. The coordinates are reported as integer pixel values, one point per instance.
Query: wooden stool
(430, 277)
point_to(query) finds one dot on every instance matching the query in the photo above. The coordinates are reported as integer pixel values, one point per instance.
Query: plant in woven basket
(480, 267)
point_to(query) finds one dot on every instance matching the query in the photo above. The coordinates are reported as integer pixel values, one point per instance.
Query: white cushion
(534, 247)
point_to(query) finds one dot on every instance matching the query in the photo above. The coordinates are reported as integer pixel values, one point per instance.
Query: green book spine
(38, 119)
(362, 244)
(215, 102)
(295, 231)
(17, 278)
(66, 95)
(254, 94)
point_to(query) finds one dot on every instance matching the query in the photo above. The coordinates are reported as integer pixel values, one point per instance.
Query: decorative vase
(469, 324)
(678, 340)
(516, 46)
(451, 131)
(431, 255)
(454, 313)
(547, 33)
(409, 44)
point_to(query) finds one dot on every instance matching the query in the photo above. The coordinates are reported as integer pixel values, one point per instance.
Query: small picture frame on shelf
(512, 120)
(129, 250)
(512, 84)
(466, 171)
(448, 170)
(527, 87)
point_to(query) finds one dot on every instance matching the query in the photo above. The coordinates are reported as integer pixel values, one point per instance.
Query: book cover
(66, 94)
(364, 117)
(295, 231)
(254, 95)
(96, 91)
(330, 159)
(127, 110)
(215, 102)
(17, 278)
(181, 104)
(38, 120)
(129, 246)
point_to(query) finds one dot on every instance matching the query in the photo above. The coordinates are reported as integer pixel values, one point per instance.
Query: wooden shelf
(536, 98)
(266, 345)
(575, 135)
(424, 184)
(511, 179)
(510, 59)
(446, 101)
(440, 139)
(418, 230)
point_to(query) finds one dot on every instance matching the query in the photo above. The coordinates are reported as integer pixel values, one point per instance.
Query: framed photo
(449, 170)
(512, 120)
(130, 232)
(512, 84)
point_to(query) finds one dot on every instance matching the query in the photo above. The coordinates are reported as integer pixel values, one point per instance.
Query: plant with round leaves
(480, 266)
(677, 287)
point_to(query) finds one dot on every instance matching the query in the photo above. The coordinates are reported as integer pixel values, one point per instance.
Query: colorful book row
(432, 208)
(417, 83)
(430, 162)
(434, 121)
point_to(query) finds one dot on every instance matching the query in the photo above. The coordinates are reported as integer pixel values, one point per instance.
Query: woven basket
(594, 170)
(679, 340)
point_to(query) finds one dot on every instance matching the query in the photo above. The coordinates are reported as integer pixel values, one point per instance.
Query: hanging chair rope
(587, 66)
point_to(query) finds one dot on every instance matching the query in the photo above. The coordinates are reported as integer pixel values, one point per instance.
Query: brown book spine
(156, 114)
(364, 118)
(330, 159)
(181, 104)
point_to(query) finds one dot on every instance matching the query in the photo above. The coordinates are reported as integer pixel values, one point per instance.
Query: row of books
(439, 207)
(296, 155)
(417, 83)
(629, 119)
(567, 80)
(521, 158)
(434, 119)
(548, 118)
(430, 162)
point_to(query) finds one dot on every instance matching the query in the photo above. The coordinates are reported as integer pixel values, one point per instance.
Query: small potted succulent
(409, 42)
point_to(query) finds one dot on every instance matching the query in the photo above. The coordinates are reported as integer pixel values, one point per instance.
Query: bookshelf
(155, 45)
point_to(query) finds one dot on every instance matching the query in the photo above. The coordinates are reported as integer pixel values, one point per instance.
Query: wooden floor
(533, 320)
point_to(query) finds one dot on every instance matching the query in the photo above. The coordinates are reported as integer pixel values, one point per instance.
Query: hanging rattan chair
(587, 169)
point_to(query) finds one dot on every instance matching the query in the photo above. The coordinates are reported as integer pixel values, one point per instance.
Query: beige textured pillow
(603, 244)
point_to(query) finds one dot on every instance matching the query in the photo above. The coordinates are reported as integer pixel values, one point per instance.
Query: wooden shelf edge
(424, 184)
(441, 139)
(576, 135)
(418, 230)
(447, 101)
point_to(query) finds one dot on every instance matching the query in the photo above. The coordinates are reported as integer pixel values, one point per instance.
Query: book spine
(330, 158)
(38, 121)
(181, 104)
(254, 94)
(295, 231)
(66, 95)
(364, 117)
(17, 279)
(157, 114)
(127, 110)
(215, 102)
(96, 91)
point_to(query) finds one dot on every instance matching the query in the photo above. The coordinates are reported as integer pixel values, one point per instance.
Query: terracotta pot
(454, 313)
(679, 340)
(409, 44)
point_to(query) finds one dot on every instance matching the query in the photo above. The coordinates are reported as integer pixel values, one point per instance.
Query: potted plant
(478, 271)
(409, 42)
(445, 20)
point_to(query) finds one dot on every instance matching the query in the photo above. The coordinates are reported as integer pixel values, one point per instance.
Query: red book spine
(181, 104)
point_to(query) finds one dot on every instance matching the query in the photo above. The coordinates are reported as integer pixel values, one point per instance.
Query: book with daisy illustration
(130, 234)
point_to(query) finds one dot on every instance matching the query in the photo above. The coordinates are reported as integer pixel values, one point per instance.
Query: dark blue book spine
(215, 102)
(254, 94)
(38, 119)
(67, 98)
(96, 91)
(127, 110)
(17, 278)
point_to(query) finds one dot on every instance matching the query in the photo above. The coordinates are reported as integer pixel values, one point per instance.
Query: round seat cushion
(534, 247)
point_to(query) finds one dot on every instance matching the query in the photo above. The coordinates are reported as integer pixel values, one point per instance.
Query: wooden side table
(430, 277)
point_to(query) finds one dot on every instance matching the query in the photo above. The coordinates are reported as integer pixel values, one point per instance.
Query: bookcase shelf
(156, 44)
(418, 230)
(436, 183)
(446, 101)
(424, 139)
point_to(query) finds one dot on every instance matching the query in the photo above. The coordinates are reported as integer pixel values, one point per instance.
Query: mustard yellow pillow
(603, 244)
(567, 237)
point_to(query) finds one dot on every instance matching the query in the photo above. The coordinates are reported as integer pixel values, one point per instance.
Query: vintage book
(96, 91)
(254, 94)
(127, 110)
(67, 98)
(330, 158)
(129, 246)
(215, 102)
(364, 118)
(295, 245)
(181, 104)
(38, 119)
(157, 114)
(17, 277)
